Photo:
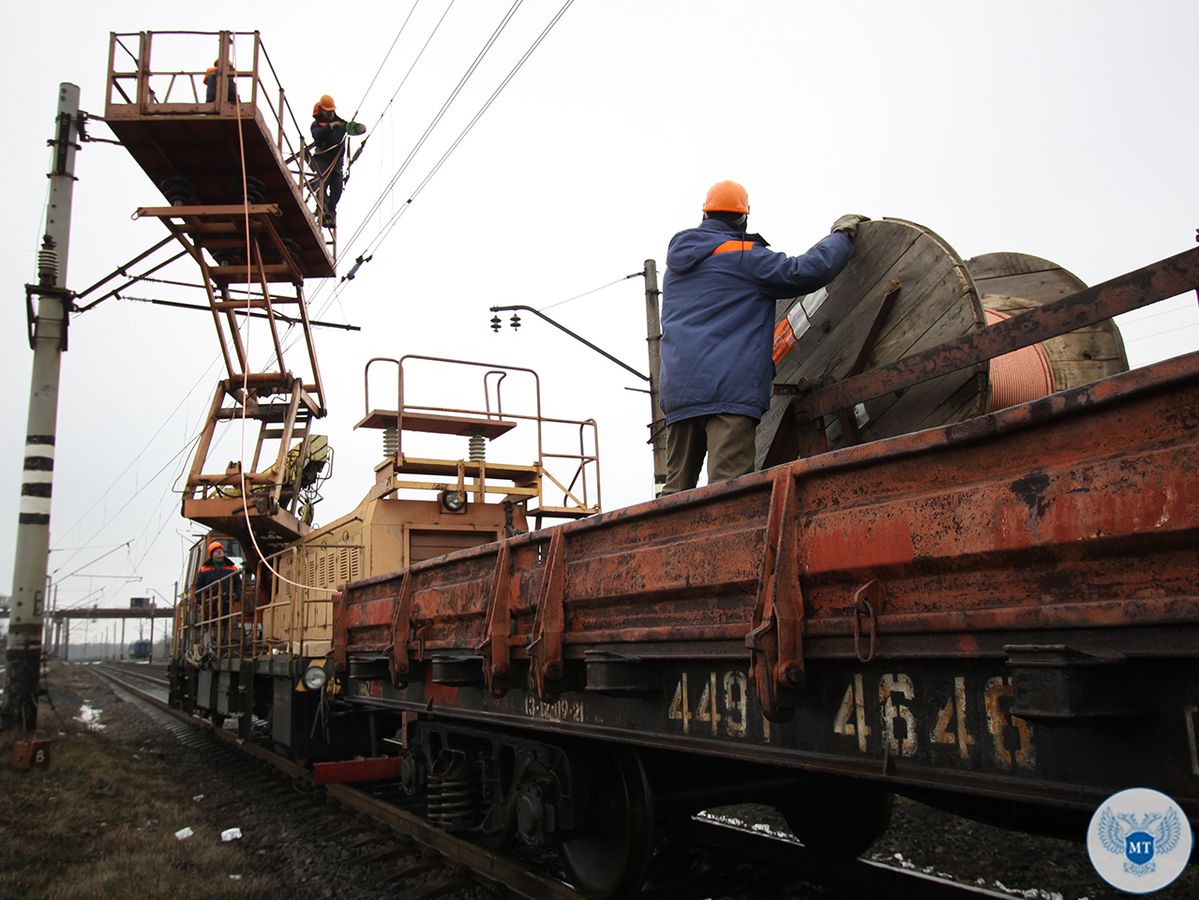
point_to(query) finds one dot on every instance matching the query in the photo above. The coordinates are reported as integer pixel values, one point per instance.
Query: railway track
(151, 674)
(447, 864)
(771, 864)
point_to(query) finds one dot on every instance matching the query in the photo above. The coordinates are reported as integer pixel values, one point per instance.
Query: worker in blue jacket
(718, 302)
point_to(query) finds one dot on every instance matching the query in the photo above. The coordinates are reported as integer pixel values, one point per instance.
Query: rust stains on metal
(1031, 489)
(1064, 517)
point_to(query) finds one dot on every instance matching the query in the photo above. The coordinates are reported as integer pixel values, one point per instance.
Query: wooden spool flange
(936, 301)
(853, 327)
(1014, 282)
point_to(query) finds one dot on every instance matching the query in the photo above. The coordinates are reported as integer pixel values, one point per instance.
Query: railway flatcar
(995, 614)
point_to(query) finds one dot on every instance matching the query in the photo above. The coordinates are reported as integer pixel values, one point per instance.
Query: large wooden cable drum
(906, 290)
(1015, 282)
(936, 301)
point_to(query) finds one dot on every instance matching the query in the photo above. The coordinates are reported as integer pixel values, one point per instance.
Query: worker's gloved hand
(849, 224)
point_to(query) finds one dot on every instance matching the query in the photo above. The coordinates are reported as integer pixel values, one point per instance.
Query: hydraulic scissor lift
(247, 209)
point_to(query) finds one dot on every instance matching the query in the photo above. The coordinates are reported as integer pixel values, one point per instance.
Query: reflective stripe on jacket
(212, 572)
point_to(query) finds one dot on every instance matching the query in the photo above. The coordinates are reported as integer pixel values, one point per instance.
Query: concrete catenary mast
(48, 337)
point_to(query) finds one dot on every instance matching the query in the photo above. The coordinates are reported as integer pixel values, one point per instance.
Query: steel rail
(487, 866)
(129, 670)
(865, 878)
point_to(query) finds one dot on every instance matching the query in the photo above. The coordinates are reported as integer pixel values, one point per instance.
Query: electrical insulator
(390, 442)
(496, 324)
(47, 265)
(477, 448)
(515, 321)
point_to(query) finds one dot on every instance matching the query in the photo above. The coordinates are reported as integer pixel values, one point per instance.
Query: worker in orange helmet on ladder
(329, 132)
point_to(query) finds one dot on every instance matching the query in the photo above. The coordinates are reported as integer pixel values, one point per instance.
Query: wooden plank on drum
(898, 415)
(1001, 265)
(850, 306)
(1078, 372)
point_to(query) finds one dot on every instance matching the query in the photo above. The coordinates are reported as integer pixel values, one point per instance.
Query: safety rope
(245, 501)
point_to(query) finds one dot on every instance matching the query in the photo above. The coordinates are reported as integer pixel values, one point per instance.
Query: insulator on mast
(47, 263)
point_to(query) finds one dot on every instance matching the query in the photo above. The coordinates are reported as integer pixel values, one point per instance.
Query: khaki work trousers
(727, 441)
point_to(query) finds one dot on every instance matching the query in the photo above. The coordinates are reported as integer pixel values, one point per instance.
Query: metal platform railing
(572, 471)
(160, 74)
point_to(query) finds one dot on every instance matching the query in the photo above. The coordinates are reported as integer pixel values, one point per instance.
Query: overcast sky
(1066, 130)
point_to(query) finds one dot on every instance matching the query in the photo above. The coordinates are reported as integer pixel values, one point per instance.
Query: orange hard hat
(727, 196)
(326, 103)
(215, 545)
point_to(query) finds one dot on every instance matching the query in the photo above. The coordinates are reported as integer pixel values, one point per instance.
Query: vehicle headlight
(315, 678)
(453, 501)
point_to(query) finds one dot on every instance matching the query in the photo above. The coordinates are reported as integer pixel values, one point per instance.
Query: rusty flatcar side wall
(1079, 511)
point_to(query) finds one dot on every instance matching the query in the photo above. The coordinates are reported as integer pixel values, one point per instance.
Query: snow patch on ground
(90, 717)
(732, 821)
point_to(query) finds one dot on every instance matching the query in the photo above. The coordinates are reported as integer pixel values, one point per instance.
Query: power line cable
(376, 242)
(1165, 331)
(387, 189)
(590, 292)
(145, 485)
(386, 56)
(374, 245)
(106, 553)
(116, 481)
(499, 29)
(395, 93)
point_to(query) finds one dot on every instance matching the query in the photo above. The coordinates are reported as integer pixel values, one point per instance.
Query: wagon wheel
(610, 855)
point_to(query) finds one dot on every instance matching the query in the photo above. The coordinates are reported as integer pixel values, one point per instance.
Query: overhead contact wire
(386, 56)
(376, 242)
(403, 81)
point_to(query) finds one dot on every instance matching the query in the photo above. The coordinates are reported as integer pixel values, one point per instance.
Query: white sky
(1061, 129)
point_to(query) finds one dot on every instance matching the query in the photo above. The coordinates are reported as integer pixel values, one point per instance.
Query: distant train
(142, 649)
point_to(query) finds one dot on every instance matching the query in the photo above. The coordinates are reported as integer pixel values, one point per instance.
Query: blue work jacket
(718, 316)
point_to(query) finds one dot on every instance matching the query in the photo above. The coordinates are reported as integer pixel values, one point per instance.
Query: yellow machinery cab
(426, 502)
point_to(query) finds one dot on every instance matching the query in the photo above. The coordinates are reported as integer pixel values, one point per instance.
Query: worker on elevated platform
(717, 332)
(211, 78)
(328, 135)
(221, 574)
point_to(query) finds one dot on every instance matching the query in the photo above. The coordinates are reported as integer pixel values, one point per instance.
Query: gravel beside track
(310, 848)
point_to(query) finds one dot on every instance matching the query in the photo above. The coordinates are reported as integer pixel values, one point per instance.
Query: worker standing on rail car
(220, 571)
(328, 135)
(717, 332)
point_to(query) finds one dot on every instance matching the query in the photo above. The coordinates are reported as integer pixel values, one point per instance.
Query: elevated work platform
(569, 475)
(193, 149)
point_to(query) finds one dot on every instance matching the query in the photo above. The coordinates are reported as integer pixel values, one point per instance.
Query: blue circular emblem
(1139, 840)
